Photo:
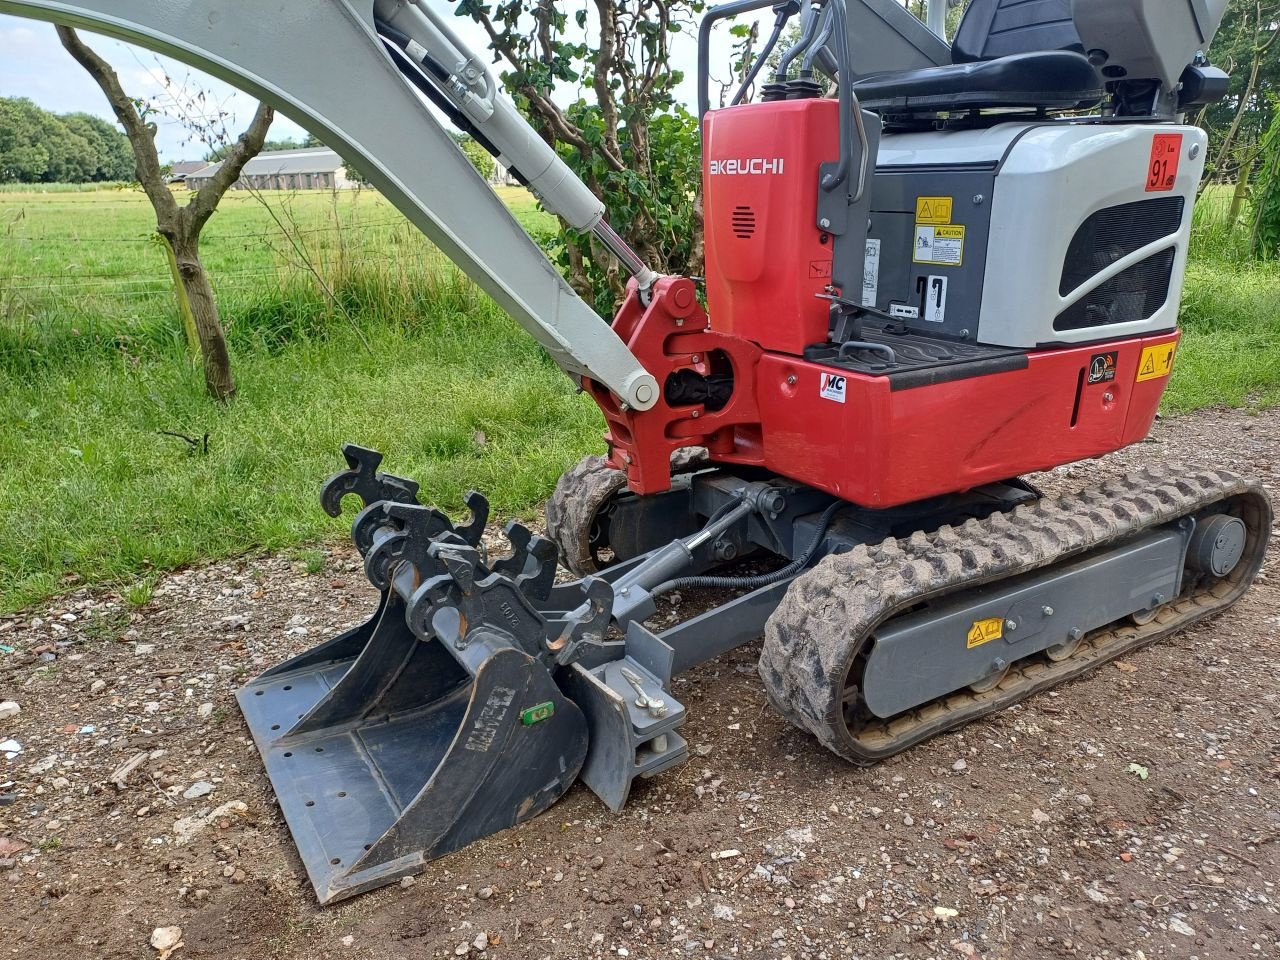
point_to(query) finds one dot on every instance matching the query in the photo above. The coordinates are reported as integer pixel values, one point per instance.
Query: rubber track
(581, 493)
(830, 613)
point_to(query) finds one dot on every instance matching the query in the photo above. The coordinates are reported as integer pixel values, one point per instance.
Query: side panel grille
(1110, 235)
(1114, 233)
(1134, 295)
(744, 222)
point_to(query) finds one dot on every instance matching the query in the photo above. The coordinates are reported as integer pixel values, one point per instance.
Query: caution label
(934, 210)
(943, 246)
(1156, 362)
(984, 631)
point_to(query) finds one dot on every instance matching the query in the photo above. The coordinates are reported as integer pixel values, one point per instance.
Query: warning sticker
(871, 274)
(934, 210)
(1103, 366)
(984, 631)
(819, 269)
(1166, 155)
(943, 246)
(1156, 362)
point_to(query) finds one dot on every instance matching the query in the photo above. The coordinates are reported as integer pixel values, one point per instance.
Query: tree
(180, 226)
(1246, 48)
(112, 157)
(480, 158)
(627, 138)
(38, 147)
(222, 150)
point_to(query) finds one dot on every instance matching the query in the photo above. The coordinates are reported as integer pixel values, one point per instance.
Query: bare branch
(142, 135)
(246, 147)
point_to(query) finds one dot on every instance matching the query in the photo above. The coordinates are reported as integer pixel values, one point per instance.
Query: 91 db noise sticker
(834, 387)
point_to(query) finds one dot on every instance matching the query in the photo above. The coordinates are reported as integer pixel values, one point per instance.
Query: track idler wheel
(579, 509)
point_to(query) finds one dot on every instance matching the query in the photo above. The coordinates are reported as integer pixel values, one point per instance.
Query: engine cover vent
(1114, 233)
(744, 222)
(1133, 295)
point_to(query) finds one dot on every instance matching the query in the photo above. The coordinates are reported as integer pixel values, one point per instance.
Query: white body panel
(948, 148)
(1052, 180)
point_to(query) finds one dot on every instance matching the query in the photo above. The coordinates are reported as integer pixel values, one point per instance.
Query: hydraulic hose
(763, 59)
(764, 579)
(808, 31)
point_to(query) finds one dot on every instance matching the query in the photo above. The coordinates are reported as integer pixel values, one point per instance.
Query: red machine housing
(865, 442)
(766, 258)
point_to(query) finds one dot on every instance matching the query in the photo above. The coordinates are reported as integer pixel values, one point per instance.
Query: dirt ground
(1033, 834)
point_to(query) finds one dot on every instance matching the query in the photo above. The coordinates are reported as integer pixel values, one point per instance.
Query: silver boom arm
(322, 63)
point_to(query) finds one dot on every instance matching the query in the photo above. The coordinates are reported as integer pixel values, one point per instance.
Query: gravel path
(1135, 813)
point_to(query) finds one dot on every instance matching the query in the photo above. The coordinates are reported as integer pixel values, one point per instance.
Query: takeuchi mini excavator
(931, 268)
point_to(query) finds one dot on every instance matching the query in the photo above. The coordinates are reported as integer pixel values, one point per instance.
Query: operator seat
(1007, 54)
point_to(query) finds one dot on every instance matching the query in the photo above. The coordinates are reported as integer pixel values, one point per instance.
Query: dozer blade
(435, 724)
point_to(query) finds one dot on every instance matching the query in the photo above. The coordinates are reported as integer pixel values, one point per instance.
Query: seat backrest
(1002, 28)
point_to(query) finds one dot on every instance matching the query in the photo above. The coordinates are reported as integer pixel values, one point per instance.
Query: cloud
(17, 37)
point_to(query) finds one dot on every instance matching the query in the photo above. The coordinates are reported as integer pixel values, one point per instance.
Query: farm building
(179, 172)
(309, 168)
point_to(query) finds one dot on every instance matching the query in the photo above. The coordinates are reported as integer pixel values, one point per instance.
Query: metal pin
(657, 708)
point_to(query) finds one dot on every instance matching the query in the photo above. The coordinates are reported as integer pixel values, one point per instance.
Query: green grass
(448, 387)
(43, 188)
(1230, 353)
(93, 373)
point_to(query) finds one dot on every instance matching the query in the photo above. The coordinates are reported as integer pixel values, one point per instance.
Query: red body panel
(880, 447)
(766, 258)
(883, 448)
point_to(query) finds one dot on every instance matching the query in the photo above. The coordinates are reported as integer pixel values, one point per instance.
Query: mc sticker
(834, 387)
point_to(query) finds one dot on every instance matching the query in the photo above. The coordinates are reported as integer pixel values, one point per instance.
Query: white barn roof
(284, 163)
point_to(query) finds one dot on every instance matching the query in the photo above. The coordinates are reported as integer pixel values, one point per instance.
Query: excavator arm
(355, 73)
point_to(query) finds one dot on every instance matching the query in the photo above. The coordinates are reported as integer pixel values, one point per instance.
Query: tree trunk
(184, 305)
(204, 311)
(1241, 193)
(180, 227)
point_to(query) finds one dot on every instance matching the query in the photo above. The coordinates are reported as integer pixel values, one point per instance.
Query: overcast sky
(34, 65)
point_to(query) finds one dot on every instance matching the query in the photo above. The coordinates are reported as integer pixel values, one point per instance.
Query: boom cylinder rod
(471, 87)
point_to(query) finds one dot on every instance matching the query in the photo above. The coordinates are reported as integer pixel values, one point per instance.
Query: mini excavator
(931, 269)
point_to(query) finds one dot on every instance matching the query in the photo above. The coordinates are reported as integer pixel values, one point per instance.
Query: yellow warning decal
(935, 210)
(942, 246)
(984, 631)
(1156, 362)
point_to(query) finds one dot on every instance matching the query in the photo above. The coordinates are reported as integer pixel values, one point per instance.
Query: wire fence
(285, 261)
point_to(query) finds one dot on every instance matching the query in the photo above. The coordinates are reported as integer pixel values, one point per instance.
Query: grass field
(407, 356)
(93, 368)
